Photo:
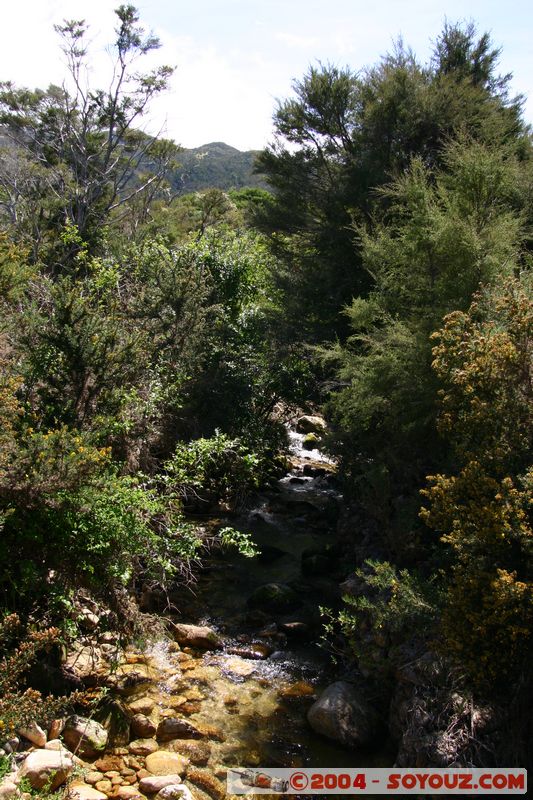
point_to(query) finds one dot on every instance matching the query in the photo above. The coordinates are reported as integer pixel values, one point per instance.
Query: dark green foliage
(353, 134)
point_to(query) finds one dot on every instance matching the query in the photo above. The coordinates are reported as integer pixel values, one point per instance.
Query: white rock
(47, 768)
(154, 783)
(80, 791)
(34, 733)
(197, 636)
(55, 744)
(7, 789)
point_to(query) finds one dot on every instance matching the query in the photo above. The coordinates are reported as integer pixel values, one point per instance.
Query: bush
(386, 609)
(19, 706)
(209, 470)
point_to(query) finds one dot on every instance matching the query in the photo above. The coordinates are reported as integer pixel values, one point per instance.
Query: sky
(235, 58)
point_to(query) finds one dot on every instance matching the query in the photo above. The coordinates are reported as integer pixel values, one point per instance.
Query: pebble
(93, 777)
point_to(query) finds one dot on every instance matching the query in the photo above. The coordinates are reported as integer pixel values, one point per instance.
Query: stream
(251, 696)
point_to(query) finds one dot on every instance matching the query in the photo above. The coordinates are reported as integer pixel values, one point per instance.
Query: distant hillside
(215, 165)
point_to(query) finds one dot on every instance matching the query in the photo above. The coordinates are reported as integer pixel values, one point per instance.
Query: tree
(73, 154)
(344, 135)
(443, 233)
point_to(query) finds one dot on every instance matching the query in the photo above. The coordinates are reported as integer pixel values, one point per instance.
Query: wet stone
(142, 726)
(166, 762)
(143, 747)
(94, 777)
(197, 752)
(143, 705)
(175, 728)
(109, 763)
(208, 782)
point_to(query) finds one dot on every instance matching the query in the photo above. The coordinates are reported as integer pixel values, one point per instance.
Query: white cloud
(294, 40)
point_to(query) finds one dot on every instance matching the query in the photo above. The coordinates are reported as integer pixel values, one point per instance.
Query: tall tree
(74, 153)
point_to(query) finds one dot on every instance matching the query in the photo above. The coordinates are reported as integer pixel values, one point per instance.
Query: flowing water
(253, 695)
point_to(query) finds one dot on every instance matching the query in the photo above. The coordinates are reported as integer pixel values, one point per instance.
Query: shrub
(208, 470)
(19, 706)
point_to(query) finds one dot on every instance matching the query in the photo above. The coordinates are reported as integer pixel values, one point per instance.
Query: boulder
(314, 470)
(85, 664)
(310, 441)
(143, 727)
(273, 597)
(87, 619)
(84, 736)
(55, 744)
(177, 728)
(80, 791)
(49, 768)
(199, 636)
(341, 714)
(34, 733)
(154, 783)
(310, 423)
(166, 762)
(255, 651)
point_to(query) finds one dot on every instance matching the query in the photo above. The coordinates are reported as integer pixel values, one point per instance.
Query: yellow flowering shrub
(483, 512)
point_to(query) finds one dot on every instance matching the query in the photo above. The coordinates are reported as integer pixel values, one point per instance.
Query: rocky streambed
(238, 679)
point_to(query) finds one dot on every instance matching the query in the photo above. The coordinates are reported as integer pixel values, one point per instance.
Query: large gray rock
(340, 713)
(196, 636)
(84, 736)
(310, 424)
(273, 597)
(49, 768)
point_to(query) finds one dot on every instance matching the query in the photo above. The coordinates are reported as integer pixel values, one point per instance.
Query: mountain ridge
(215, 165)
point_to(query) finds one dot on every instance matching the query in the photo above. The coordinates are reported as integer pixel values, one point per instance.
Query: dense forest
(156, 346)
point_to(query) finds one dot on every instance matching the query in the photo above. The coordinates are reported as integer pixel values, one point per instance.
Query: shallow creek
(252, 696)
